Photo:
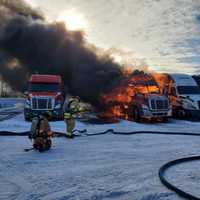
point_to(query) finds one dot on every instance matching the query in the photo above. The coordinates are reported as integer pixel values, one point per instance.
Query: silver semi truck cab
(184, 95)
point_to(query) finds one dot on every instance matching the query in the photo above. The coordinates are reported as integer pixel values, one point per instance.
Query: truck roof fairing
(38, 78)
(183, 79)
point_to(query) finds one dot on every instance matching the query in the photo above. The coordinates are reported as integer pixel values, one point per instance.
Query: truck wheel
(181, 113)
(136, 115)
(165, 119)
(27, 119)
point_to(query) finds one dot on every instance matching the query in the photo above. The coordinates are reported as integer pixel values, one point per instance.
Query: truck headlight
(58, 106)
(145, 107)
(189, 105)
(27, 104)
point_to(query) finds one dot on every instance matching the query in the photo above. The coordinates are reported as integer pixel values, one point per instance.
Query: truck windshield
(145, 85)
(44, 87)
(188, 90)
(148, 89)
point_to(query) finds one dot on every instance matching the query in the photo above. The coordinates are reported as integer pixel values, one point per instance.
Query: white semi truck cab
(184, 95)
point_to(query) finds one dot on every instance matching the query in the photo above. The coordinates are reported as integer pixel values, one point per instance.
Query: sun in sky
(30, 2)
(73, 20)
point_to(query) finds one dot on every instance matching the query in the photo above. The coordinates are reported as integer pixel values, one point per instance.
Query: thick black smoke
(46, 48)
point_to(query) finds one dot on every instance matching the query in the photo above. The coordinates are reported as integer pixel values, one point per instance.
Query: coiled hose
(169, 185)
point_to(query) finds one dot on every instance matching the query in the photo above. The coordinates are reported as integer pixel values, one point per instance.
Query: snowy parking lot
(9, 107)
(6, 103)
(99, 167)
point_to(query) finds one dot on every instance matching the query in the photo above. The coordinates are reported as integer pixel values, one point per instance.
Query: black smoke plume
(28, 44)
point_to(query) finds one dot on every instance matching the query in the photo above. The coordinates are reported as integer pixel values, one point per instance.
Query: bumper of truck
(156, 114)
(55, 114)
(193, 113)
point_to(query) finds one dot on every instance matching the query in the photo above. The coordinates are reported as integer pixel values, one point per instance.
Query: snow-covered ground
(17, 124)
(10, 107)
(6, 103)
(102, 167)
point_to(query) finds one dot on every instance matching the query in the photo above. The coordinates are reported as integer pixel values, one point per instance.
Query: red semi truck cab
(44, 93)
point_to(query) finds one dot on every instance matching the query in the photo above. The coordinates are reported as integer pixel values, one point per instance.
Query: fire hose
(162, 169)
(170, 186)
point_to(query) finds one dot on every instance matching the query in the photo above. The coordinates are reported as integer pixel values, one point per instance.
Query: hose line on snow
(84, 133)
(169, 185)
(162, 170)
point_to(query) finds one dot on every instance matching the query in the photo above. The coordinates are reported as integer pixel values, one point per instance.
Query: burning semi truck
(136, 98)
(45, 93)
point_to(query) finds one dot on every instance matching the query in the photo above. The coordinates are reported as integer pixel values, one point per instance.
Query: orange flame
(162, 80)
(119, 101)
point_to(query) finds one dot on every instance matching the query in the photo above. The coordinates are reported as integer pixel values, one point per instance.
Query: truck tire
(136, 114)
(165, 119)
(181, 113)
(28, 119)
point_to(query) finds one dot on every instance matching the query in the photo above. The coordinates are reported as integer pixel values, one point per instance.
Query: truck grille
(42, 103)
(159, 104)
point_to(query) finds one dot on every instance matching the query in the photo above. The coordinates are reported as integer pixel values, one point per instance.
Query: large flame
(162, 80)
(118, 102)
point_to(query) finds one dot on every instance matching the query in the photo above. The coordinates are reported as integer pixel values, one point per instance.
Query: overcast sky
(165, 33)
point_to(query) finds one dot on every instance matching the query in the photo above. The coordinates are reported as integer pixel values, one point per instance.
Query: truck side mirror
(173, 92)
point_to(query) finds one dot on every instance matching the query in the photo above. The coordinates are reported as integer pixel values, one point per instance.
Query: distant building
(5, 90)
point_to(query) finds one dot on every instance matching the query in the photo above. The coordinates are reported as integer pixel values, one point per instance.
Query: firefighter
(71, 109)
(41, 132)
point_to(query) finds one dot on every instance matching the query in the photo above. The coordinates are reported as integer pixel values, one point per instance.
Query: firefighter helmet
(74, 98)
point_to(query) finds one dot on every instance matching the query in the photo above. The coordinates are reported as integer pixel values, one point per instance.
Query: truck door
(173, 96)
